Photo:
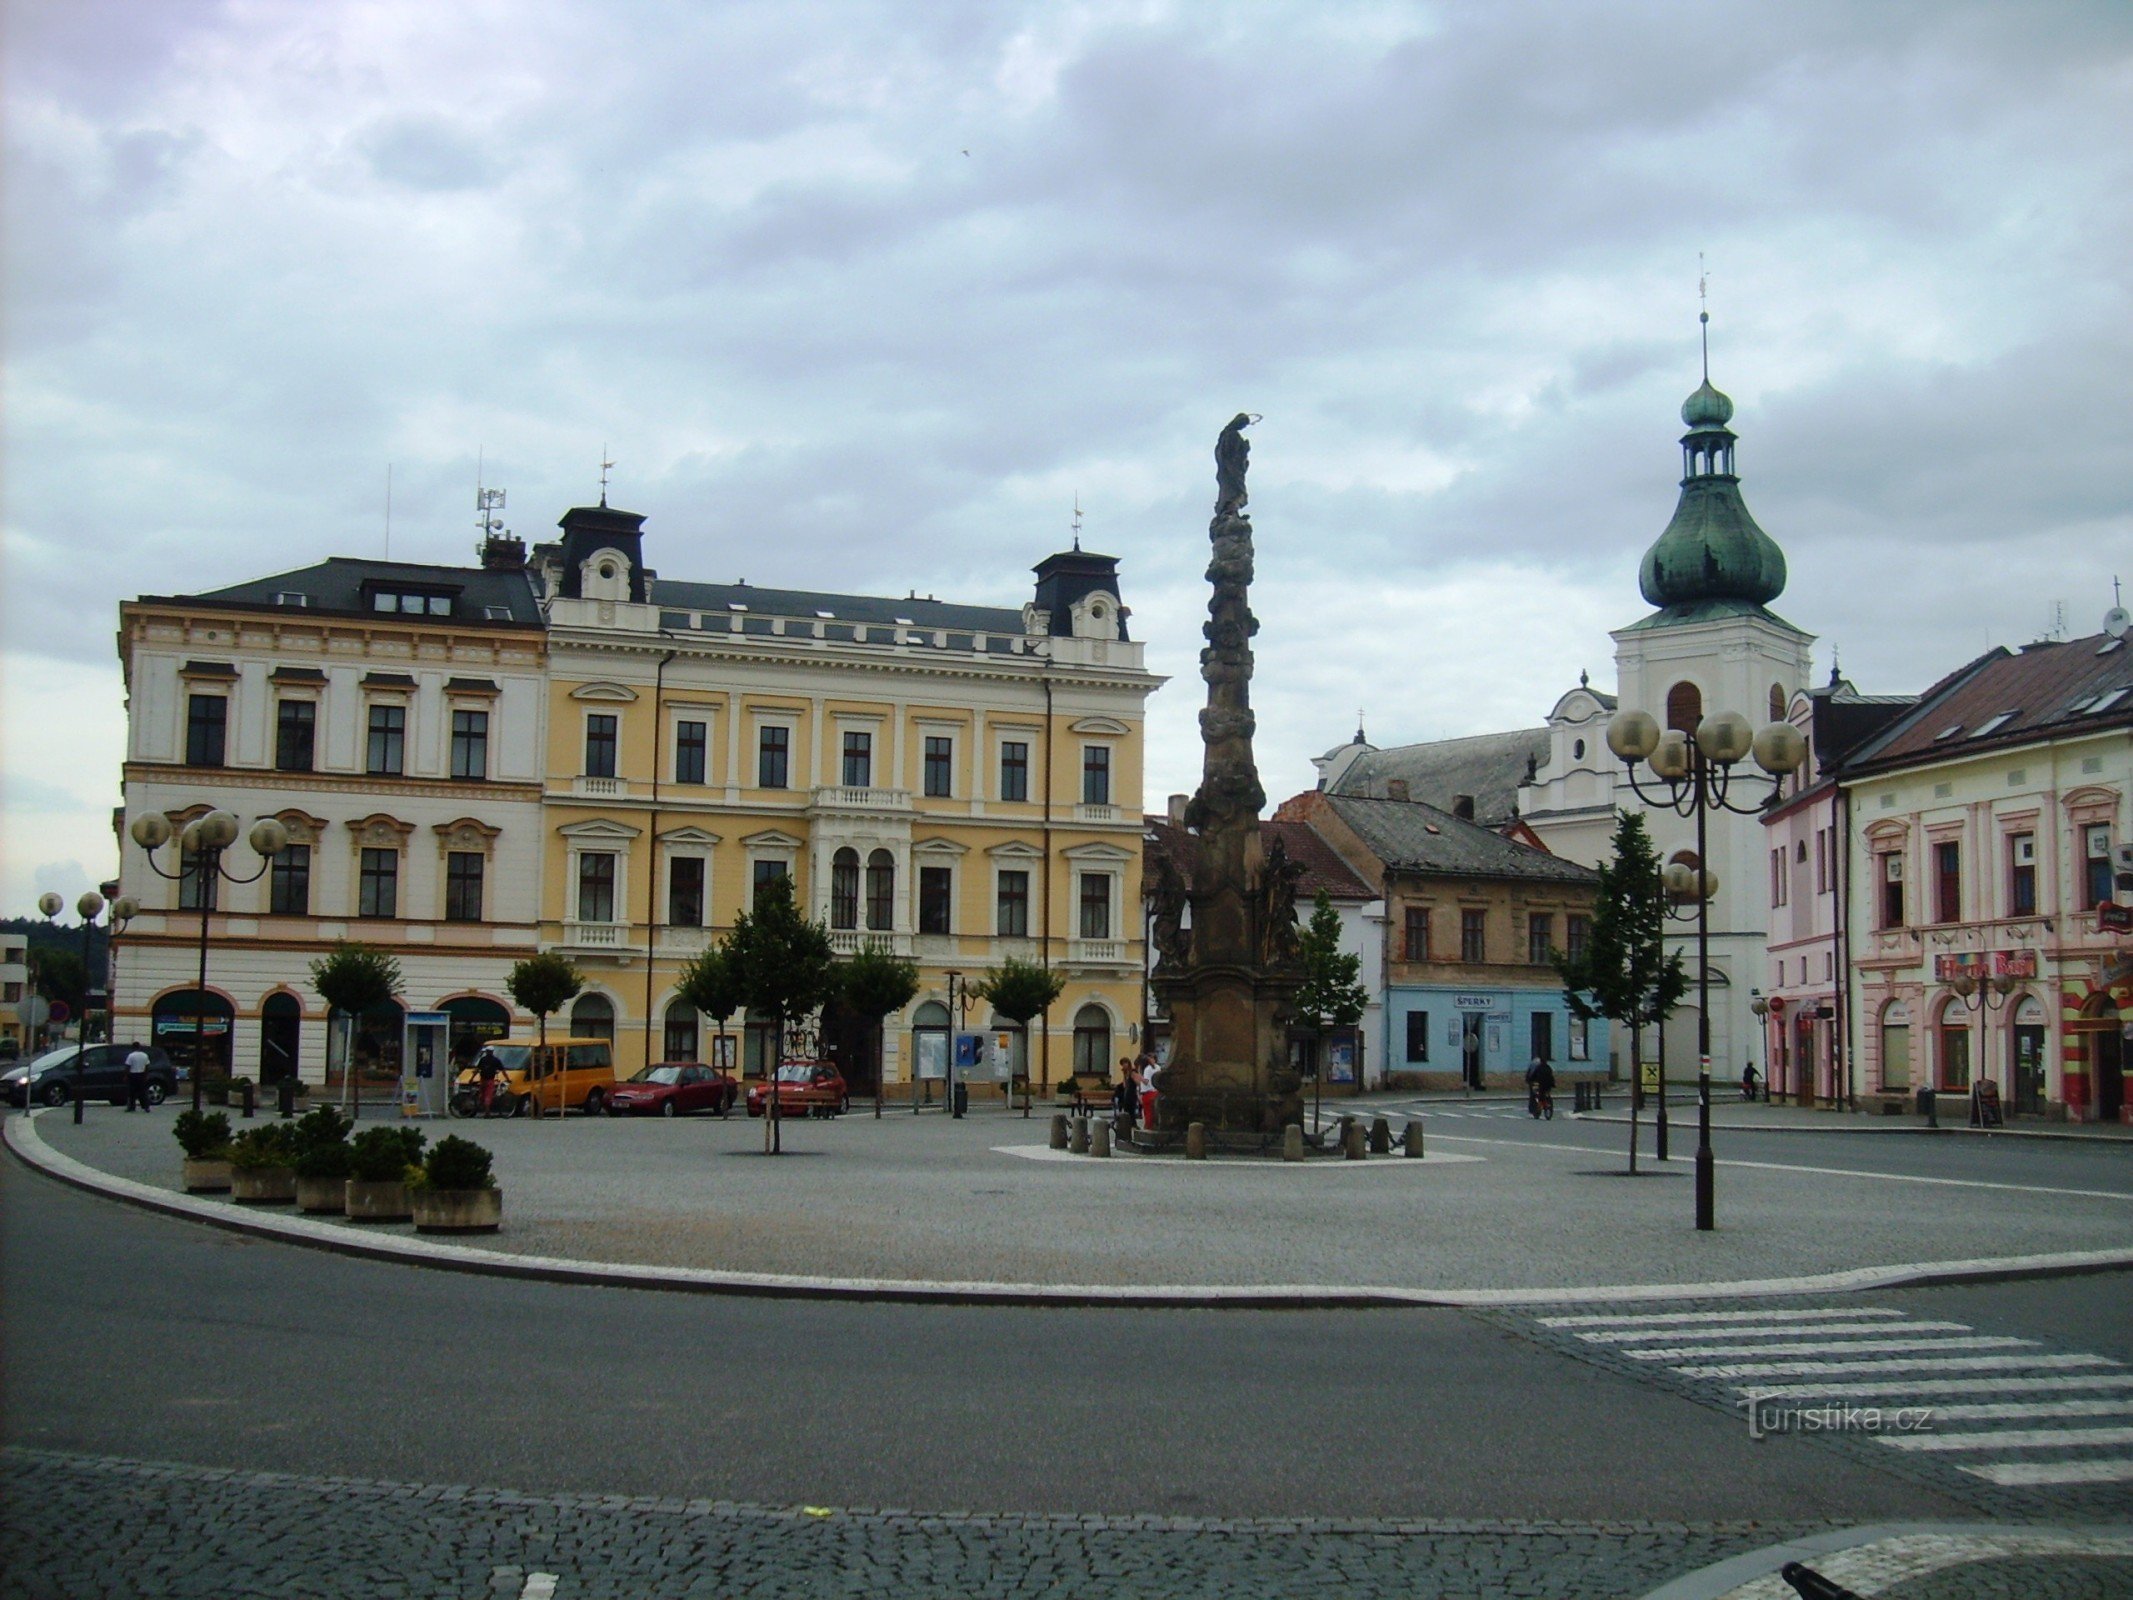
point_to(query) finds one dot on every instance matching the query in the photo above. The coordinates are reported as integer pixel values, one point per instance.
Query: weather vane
(1077, 519)
(1703, 315)
(606, 466)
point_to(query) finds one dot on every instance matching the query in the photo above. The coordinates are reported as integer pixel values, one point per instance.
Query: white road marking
(2014, 1410)
(1914, 1388)
(1657, 1318)
(1988, 1341)
(2033, 1474)
(2012, 1439)
(1794, 1330)
(1807, 1369)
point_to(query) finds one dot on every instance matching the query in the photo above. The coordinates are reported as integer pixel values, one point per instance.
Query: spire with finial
(1359, 739)
(606, 466)
(1584, 679)
(1077, 519)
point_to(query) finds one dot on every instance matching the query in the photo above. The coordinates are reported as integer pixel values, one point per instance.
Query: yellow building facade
(958, 784)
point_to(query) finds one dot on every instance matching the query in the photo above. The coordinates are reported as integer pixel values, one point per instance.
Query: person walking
(1150, 1069)
(1747, 1081)
(137, 1077)
(1122, 1096)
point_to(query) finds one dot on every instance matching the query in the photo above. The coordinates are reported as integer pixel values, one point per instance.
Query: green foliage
(271, 1144)
(1625, 973)
(456, 1163)
(351, 978)
(873, 982)
(203, 1135)
(1019, 989)
(334, 1160)
(708, 984)
(543, 983)
(320, 1126)
(781, 962)
(1332, 995)
(383, 1155)
(59, 975)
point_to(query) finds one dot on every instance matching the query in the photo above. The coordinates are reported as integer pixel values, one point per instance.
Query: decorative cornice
(324, 782)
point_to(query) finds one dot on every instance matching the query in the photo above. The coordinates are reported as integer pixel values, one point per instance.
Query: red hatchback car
(672, 1088)
(805, 1088)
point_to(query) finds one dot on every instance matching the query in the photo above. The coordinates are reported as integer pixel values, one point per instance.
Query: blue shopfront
(1486, 1037)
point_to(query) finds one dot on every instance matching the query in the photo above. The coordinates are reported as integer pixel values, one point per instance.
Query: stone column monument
(1229, 979)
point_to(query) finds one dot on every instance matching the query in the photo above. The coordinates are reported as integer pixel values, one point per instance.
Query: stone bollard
(251, 1106)
(1340, 1133)
(1411, 1138)
(1100, 1137)
(1196, 1141)
(1078, 1140)
(1380, 1137)
(1292, 1142)
(1353, 1139)
(1059, 1131)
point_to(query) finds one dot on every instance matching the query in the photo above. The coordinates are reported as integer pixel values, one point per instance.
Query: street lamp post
(89, 907)
(1698, 774)
(1984, 994)
(203, 840)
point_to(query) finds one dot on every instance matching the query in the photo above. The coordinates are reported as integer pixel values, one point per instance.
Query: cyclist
(1540, 1089)
(491, 1072)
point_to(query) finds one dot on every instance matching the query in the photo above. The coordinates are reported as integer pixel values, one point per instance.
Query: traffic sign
(59, 1013)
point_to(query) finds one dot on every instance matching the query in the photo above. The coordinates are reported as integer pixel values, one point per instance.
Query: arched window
(593, 1017)
(844, 889)
(1952, 1046)
(1092, 1042)
(1577, 750)
(1895, 1046)
(681, 1032)
(475, 1021)
(1777, 702)
(1684, 707)
(281, 1022)
(881, 891)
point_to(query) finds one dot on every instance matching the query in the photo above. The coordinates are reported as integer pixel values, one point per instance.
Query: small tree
(708, 984)
(1625, 972)
(1332, 995)
(543, 983)
(782, 969)
(351, 978)
(871, 984)
(1019, 990)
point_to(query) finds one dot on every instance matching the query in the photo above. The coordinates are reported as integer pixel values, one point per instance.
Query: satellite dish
(2116, 620)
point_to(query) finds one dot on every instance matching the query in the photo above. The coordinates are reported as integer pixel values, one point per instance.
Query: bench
(1081, 1097)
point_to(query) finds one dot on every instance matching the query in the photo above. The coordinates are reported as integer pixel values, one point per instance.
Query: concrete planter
(206, 1177)
(322, 1196)
(458, 1210)
(376, 1202)
(263, 1186)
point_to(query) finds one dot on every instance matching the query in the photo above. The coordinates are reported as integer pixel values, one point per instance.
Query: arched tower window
(881, 891)
(844, 889)
(1777, 702)
(1684, 707)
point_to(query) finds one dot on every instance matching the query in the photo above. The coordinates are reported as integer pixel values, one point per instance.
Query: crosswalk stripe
(1807, 1369)
(2012, 1410)
(1653, 1319)
(1833, 1347)
(2012, 1439)
(1911, 1387)
(2040, 1474)
(1787, 1331)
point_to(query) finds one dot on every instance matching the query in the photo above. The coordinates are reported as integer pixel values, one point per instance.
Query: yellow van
(542, 1079)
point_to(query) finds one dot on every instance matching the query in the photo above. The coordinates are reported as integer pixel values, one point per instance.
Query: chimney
(1178, 803)
(502, 552)
(1396, 788)
(1463, 807)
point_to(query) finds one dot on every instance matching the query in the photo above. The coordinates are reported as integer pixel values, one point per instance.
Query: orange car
(805, 1088)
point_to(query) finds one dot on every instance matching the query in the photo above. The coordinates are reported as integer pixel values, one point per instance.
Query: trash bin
(962, 1099)
(285, 1094)
(1926, 1107)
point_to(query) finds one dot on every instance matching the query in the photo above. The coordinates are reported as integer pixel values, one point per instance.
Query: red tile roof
(2041, 691)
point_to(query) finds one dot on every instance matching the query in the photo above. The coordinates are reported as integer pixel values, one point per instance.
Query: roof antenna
(487, 503)
(606, 466)
(1077, 519)
(1703, 280)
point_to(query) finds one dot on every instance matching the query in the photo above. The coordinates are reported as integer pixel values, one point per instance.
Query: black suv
(49, 1079)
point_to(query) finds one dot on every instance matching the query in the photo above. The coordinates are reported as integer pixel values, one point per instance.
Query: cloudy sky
(864, 295)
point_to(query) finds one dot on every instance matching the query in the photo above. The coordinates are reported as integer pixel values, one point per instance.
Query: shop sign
(1473, 1002)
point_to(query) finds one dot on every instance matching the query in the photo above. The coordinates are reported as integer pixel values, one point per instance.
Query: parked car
(671, 1089)
(49, 1079)
(805, 1088)
(544, 1078)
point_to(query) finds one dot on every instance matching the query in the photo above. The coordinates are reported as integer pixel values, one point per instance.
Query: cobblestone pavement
(2029, 1578)
(175, 1532)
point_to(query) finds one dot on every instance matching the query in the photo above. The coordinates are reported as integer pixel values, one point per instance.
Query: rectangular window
(881, 891)
(1891, 890)
(1580, 1039)
(1777, 876)
(207, 719)
(198, 889)
(1417, 945)
(1577, 934)
(685, 892)
(1013, 922)
(596, 887)
(1096, 775)
(1418, 1035)
(1014, 770)
(295, 735)
(858, 760)
(773, 755)
(386, 754)
(1543, 1037)
(462, 885)
(1540, 939)
(378, 885)
(934, 899)
(1095, 905)
(1821, 861)
(600, 730)
(1954, 1058)
(689, 752)
(1895, 1056)
(289, 882)
(2022, 875)
(1948, 881)
(940, 765)
(470, 744)
(765, 874)
(2096, 865)
(1473, 936)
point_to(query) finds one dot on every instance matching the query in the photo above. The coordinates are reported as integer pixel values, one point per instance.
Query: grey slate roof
(805, 603)
(336, 585)
(1409, 837)
(1487, 766)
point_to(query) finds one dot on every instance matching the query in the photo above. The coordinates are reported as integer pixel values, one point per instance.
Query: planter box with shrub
(456, 1193)
(205, 1139)
(379, 1163)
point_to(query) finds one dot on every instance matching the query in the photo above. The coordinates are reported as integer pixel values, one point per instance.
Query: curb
(2099, 1140)
(2046, 1539)
(28, 1147)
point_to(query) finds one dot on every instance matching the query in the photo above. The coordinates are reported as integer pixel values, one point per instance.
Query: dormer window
(412, 602)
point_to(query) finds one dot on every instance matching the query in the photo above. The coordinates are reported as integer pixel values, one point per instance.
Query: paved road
(639, 1443)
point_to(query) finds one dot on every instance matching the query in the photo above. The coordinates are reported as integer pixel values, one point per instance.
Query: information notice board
(1985, 1104)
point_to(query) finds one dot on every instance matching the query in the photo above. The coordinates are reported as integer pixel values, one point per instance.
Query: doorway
(2110, 1049)
(1470, 1057)
(281, 1026)
(2026, 1050)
